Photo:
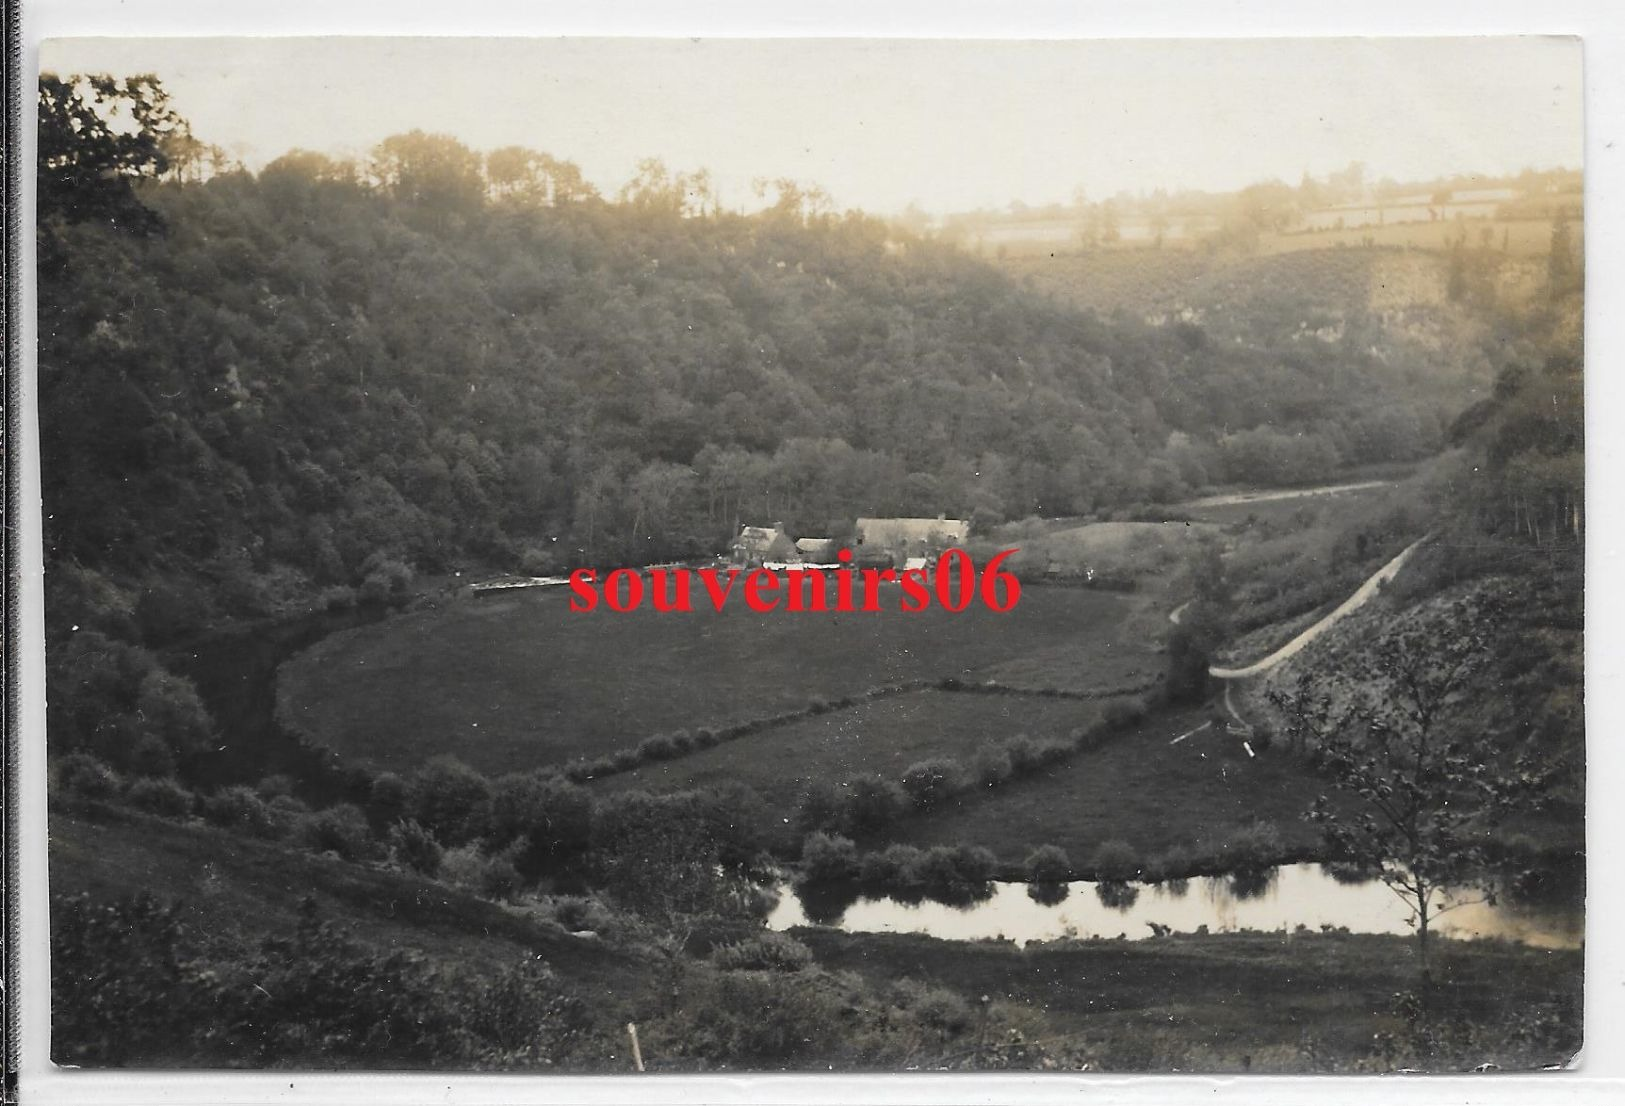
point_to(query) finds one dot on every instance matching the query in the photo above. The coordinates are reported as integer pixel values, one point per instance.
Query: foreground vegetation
(431, 975)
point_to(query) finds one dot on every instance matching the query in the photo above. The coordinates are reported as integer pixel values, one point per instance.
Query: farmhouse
(759, 545)
(818, 551)
(906, 538)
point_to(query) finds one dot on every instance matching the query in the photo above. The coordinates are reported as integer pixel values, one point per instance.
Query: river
(1287, 897)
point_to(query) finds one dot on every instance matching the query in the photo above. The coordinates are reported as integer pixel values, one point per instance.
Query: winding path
(1353, 603)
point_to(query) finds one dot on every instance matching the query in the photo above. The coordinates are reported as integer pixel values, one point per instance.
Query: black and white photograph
(602, 556)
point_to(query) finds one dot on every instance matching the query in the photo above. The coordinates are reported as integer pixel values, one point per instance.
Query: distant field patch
(880, 738)
(515, 682)
(1284, 509)
(1139, 789)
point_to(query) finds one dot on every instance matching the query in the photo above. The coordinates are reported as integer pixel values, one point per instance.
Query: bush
(1123, 713)
(872, 805)
(340, 829)
(897, 864)
(269, 787)
(339, 597)
(974, 864)
(577, 912)
(152, 756)
(1116, 860)
(658, 747)
(120, 989)
(83, 774)
(705, 738)
(928, 782)
(450, 799)
(527, 1014)
(492, 877)
(771, 952)
(1253, 847)
(825, 857)
(239, 808)
(991, 767)
(624, 760)
(1023, 753)
(415, 847)
(1049, 864)
(387, 797)
(160, 796)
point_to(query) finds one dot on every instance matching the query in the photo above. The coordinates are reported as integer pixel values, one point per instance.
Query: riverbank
(1250, 1001)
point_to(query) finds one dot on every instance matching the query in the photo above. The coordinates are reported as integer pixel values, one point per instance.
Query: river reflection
(1286, 897)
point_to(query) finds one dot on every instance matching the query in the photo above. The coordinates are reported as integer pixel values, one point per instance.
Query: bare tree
(1385, 729)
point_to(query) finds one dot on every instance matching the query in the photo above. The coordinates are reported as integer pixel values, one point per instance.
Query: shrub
(934, 867)
(991, 767)
(872, 805)
(1052, 751)
(770, 952)
(322, 989)
(1023, 753)
(120, 989)
(160, 796)
(818, 705)
(683, 741)
(1253, 847)
(624, 760)
(269, 787)
(928, 782)
(822, 807)
(825, 857)
(387, 797)
(83, 774)
(415, 847)
(1174, 863)
(152, 756)
(1116, 859)
(705, 738)
(239, 808)
(526, 1013)
(1124, 713)
(577, 912)
(1048, 864)
(339, 597)
(449, 798)
(493, 877)
(933, 1007)
(974, 863)
(658, 747)
(340, 829)
(897, 864)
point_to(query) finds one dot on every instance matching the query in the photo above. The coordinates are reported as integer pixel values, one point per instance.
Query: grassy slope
(235, 889)
(1202, 1003)
(514, 682)
(882, 737)
(1138, 789)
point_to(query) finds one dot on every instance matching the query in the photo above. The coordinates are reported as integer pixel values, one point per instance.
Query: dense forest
(278, 382)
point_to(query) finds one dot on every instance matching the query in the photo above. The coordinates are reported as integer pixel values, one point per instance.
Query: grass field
(1139, 789)
(519, 681)
(1280, 511)
(883, 738)
(1258, 1002)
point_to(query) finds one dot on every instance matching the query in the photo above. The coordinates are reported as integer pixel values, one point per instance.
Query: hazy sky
(951, 124)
